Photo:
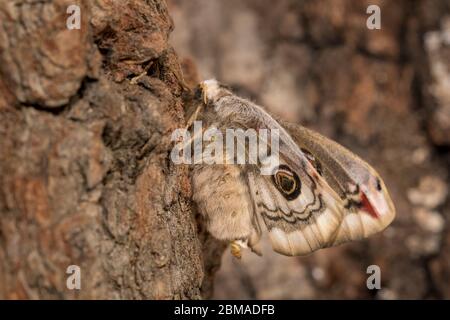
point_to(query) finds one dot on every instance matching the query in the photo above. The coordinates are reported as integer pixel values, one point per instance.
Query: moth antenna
(194, 115)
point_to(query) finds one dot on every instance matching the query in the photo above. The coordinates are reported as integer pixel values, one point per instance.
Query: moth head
(212, 90)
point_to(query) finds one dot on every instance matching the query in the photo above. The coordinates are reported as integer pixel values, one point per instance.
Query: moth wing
(296, 227)
(367, 202)
(336, 205)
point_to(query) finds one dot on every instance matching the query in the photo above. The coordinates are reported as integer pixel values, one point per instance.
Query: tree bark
(86, 118)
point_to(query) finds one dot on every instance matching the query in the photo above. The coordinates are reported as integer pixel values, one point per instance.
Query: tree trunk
(86, 117)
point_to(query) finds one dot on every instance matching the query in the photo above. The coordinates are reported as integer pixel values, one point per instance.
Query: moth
(319, 195)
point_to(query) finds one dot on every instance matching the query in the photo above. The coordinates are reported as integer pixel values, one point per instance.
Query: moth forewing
(368, 203)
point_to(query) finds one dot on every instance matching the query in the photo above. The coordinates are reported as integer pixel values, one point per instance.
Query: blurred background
(384, 94)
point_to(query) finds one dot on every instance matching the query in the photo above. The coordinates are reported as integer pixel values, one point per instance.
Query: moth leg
(193, 116)
(236, 248)
(254, 243)
(257, 249)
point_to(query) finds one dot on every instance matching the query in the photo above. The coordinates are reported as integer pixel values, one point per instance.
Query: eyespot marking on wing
(287, 182)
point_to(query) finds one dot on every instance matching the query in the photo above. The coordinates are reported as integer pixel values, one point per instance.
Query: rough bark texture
(382, 93)
(84, 172)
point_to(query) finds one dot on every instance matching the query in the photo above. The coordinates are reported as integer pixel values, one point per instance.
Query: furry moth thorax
(319, 195)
